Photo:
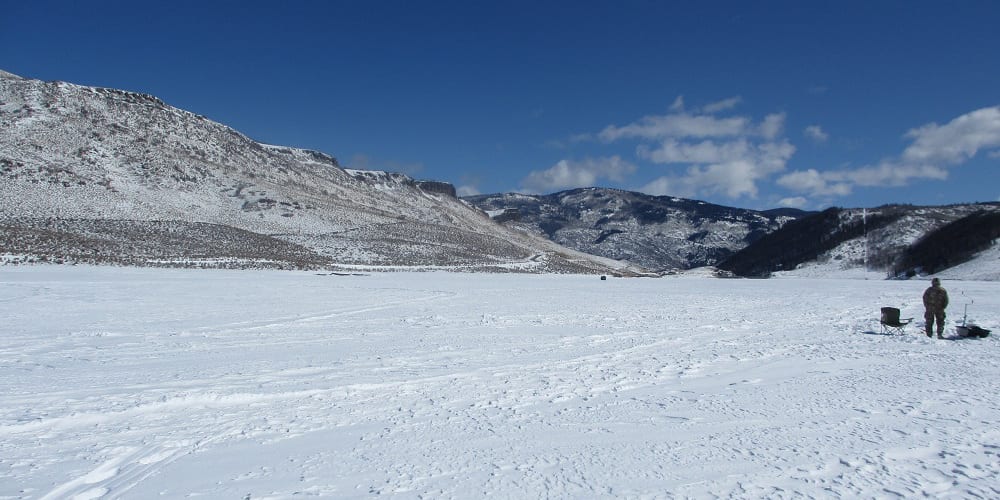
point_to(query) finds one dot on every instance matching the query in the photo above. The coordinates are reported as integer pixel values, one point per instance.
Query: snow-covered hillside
(263, 384)
(892, 240)
(985, 266)
(74, 153)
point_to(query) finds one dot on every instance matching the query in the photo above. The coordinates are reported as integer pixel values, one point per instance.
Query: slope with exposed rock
(657, 232)
(100, 175)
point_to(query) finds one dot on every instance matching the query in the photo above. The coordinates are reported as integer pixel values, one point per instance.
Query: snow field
(231, 384)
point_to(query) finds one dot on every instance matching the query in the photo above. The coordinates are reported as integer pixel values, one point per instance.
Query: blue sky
(756, 104)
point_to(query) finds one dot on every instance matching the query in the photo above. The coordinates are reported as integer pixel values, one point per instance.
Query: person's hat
(935, 281)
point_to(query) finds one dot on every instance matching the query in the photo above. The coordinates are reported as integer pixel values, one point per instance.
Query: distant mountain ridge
(95, 175)
(668, 234)
(662, 233)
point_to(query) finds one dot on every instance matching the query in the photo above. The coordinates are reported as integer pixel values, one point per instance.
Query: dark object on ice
(972, 331)
(966, 330)
(603, 278)
(935, 302)
(981, 332)
(890, 320)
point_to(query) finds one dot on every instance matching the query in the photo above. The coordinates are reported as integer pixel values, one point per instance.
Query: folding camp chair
(890, 320)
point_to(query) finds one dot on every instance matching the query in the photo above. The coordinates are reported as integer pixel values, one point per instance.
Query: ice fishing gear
(967, 330)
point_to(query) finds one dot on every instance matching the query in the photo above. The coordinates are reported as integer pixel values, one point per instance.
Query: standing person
(935, 301)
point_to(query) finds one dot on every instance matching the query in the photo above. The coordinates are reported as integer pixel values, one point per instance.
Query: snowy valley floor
(140, 383)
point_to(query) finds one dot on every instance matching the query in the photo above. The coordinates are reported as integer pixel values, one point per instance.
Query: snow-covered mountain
(657, 232)
(103, 175)
(892, 240)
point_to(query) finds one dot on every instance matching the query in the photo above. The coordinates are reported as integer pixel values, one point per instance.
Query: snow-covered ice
(140, 383)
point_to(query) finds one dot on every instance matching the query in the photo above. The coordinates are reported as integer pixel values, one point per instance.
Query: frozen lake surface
(140, 383)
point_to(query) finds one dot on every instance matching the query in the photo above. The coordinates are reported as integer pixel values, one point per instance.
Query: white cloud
(892, 174)
(816, 133)
(678, 104)
(733, 179)
(723, 105)
(661, 187)
(957, 141)
(815, 183)
(772, 126)
(793, 202)
(935, 150)
(568, 174)
(735, 172)
(842, 182)
(467, 190)
(770, 157)
(677, 125)
(708, 151)
(730, 155)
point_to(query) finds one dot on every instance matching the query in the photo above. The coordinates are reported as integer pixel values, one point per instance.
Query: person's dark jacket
(935, 299)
